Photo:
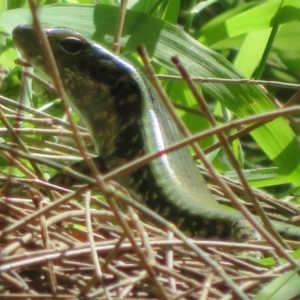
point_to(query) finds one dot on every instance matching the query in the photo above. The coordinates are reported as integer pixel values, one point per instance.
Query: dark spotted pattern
(126, 119)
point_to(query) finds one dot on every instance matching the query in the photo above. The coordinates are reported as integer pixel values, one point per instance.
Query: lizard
(127, 119)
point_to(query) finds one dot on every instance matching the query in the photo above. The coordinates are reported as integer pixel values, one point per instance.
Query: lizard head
(72, 52)
(102, 88)
(67, 45)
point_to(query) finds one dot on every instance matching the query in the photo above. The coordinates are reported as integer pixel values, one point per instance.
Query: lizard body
(126, 119)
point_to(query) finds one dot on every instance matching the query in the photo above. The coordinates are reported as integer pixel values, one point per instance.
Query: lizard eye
(71, 45)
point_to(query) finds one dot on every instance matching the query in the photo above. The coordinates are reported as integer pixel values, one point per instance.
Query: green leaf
(260, 17)
(172, 11)
(249, 57)
(163, 40)
(11, 84)
(285, 286)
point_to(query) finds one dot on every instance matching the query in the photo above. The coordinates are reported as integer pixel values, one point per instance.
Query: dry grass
(70, 249)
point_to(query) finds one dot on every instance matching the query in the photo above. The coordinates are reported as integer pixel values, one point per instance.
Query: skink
(126, 119)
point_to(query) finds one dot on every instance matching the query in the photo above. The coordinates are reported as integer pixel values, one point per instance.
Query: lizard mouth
(24, 36)
(29, 46)
(27, 42)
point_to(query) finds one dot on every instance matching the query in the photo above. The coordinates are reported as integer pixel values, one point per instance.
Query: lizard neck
(112, 113)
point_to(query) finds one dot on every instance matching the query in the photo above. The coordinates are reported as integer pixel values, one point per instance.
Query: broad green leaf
(259, 17)
(164, 40)
(286, 46)
(285, 286)
(172, 11)
(287, 35)
(3, 6)
(249, 57)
